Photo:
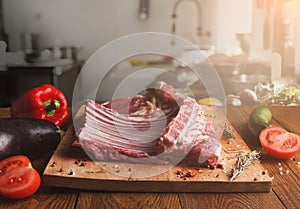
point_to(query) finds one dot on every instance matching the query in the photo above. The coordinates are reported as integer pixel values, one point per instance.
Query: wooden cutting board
(70, 167)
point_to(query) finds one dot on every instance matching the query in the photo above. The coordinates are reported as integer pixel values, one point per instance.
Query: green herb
(227, 132)
(242, 162)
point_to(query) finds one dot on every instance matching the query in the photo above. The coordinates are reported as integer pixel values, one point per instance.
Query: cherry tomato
(279, 143)
(17, 178)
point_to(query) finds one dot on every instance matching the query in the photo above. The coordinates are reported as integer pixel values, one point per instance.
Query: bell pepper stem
(51, 106)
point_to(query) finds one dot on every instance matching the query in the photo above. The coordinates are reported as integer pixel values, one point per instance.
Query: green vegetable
(261, 115)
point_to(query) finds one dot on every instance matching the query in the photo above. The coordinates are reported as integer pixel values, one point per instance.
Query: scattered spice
(255, 179)
(71, 172)
(61, 170)
(186, 174)
(216, 175)
(227, 132)
(221, 166)
(191, 173)
(242, 162)
(281, 170)
(179, 172)
(53, 164)
(82, 164)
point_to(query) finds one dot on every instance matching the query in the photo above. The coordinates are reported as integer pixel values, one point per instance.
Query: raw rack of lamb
(159, 127)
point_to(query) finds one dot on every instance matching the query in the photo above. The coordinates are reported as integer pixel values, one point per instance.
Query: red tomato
(269, 134)
(11, 163)
(279, 143)
(18, 179)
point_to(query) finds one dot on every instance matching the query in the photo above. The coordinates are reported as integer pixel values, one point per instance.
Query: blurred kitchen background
(248, 41)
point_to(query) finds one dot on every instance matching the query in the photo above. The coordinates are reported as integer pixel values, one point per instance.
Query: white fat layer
(184, 136)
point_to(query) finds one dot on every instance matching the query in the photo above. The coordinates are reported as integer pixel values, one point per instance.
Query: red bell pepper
(43, 102)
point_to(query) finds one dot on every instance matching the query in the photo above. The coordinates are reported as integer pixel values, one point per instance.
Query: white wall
(297, 41)
(232, 16)
(93, 23)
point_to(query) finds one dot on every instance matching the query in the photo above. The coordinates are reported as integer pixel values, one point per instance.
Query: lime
(262, 115)
(210, 101)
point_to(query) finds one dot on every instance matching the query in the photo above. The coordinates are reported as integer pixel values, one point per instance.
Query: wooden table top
(285, 191)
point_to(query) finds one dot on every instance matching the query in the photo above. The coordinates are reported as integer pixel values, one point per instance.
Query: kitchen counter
(55, 67)
(285, 191)
(17, 79)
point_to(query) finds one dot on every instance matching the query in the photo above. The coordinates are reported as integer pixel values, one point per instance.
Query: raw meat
(160, 127)
(190, 130)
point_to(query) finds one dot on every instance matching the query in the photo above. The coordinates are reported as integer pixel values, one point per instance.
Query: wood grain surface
(285, 191)
(128, 177)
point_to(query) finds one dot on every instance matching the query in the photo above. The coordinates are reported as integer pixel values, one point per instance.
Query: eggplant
(27, 136)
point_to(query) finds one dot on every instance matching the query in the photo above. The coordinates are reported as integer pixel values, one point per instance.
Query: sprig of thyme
(228, 132)
(242, 162)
